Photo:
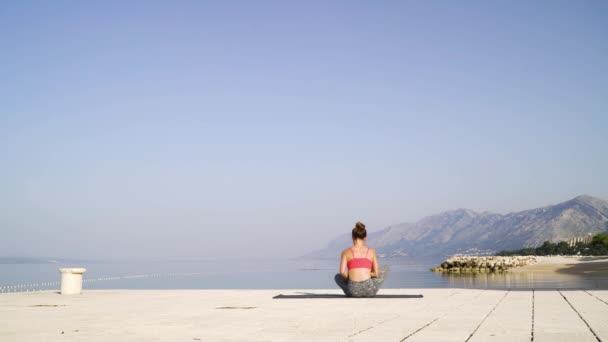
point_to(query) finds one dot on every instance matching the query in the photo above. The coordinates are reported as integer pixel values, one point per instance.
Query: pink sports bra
(359, 262)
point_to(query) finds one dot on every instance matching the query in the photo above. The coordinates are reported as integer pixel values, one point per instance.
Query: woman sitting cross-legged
(359, 274)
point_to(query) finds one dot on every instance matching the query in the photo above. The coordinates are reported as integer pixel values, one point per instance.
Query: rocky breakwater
(481, 264)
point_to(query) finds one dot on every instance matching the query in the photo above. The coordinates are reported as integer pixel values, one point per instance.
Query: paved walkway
(252, 315)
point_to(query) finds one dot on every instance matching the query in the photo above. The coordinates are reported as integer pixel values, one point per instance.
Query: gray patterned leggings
(366, 288)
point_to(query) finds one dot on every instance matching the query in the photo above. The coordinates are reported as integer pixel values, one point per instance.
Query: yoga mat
(315, 296)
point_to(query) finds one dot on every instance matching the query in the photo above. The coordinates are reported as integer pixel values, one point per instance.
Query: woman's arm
(375, 271)
(343, 268)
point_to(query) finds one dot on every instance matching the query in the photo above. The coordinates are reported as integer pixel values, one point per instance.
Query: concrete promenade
(253, 315)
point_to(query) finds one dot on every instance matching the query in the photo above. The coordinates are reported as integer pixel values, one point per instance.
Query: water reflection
(524, 280)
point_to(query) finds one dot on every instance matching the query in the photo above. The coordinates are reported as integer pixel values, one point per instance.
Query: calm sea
(267, 274)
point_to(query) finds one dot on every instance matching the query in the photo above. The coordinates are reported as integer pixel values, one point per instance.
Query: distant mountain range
(467, 231)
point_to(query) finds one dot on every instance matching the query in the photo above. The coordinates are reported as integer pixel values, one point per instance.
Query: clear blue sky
(228, 129)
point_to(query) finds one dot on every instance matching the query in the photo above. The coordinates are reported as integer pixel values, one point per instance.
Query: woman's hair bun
(359, 231)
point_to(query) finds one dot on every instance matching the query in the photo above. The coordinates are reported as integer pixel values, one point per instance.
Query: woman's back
(359, 262)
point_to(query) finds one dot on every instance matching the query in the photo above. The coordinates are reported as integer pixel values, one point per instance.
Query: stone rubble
(483, 264)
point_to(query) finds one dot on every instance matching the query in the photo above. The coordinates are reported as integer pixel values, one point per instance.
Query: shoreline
(517, 265)
(574, 265)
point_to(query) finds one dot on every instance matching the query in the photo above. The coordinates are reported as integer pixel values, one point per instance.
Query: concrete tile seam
(579, 315)
(596, 297)
(419, 329)
(488, 315)
(532, 333)
(373, 326)
(360, 331)
(451, 307)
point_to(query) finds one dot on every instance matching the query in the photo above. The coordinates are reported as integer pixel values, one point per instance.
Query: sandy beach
(575, 265)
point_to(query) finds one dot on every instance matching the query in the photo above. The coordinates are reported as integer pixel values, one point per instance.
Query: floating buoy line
(54, 285)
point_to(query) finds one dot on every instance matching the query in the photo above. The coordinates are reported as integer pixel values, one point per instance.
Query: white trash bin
(71, 280)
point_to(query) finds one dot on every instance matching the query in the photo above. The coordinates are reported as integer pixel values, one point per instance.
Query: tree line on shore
(598, 246)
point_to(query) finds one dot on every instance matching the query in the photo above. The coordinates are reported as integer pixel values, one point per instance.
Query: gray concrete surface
(252, 315)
